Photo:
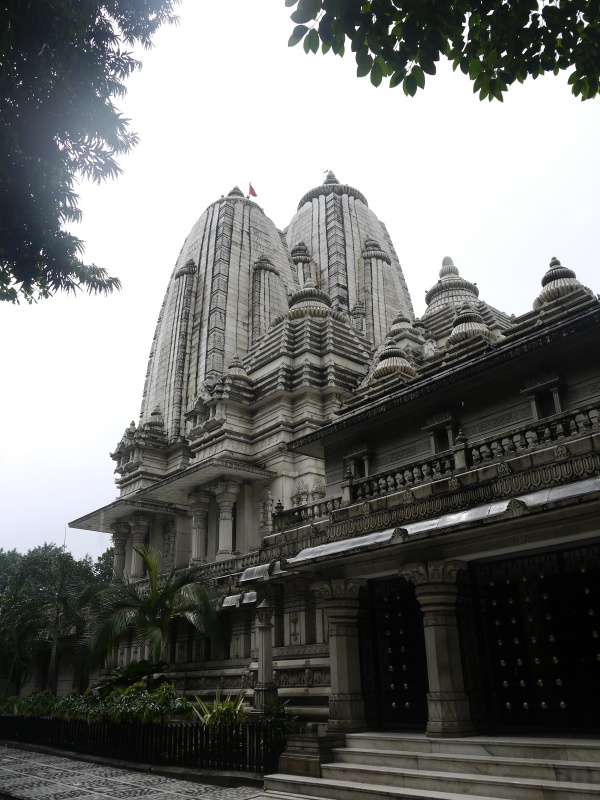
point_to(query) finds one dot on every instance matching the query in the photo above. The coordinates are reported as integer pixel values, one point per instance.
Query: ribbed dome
(309, 300)
(558, 282)
(401, 326)
(450, 290)
(237, 370)
(468, 325)
(352, 257)
(331, 185)
(230, 280)
(393, 360)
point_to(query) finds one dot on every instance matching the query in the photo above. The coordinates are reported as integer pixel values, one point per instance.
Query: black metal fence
(245, 747)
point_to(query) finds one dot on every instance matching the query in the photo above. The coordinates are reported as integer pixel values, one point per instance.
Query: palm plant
(145, 609)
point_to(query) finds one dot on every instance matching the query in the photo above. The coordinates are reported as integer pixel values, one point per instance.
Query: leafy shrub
(279, 720)
(37, 704)
(220, 712)
(132, 704)
(75, 705)
(136, 704)
(135, 672)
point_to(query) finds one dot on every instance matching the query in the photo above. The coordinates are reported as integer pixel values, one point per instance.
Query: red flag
(251, 191)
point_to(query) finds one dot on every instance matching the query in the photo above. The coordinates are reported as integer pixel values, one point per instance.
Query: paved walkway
(28, 775)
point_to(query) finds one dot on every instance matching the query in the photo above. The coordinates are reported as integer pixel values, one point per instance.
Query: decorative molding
(506, 420)
(432, 572)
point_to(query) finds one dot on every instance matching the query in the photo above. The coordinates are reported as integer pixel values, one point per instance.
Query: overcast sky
(221, 100)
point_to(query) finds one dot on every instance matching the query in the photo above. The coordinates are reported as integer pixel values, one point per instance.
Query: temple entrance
(540, 625)
(393, 663)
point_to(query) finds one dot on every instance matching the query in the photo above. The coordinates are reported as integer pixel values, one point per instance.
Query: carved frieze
(440, 572)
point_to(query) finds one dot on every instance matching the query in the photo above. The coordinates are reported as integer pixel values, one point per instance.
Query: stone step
(544, 749)
(532, 768)
(292, 787)
(496, 786)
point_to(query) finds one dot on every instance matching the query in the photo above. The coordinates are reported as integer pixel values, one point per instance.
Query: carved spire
(393, 359)
(309, 301)
(468, 324)
(236, 192)
(558, 282)
(450, 290)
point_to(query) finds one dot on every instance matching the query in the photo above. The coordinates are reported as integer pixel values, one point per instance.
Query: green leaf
(364, 67)
(397, 79)
(313, 41)
(325, 48)
(410, 85)
(376, 75)
(301, 15)
(325, 30)
(419, 76)
(362, 55)
(290, 3)
(297, 35)
(428, 66)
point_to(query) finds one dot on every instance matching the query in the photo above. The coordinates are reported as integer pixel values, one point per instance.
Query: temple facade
(399, 516)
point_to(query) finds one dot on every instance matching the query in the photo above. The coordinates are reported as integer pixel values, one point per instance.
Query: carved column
(339, 598)
(448, 705)
(120, 535)
(139, 531)
(265, 691)
(199, 510)
(169, 539)
(226, 492)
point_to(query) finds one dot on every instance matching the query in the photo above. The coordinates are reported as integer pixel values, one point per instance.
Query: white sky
(220, 101)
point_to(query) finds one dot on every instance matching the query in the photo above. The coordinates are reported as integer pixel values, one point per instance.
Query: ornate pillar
(265, 691)
(448, 705)
(199, 510)
(226, 492)
(120, 534)
(139, 530)
(339, 598)
(169, 538)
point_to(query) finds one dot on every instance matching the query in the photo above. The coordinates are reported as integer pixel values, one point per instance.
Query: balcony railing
(552, 430)
(304, 514)
(558, 429)
(404, 477)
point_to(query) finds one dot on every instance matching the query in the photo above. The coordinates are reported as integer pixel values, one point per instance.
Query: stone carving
(498, 421)
(516, 508)
(318, 490)
(438, 419)
(439, 572)
(337, 589)
(561, 452)
(453, 483)
(541, 379)
(504, 469)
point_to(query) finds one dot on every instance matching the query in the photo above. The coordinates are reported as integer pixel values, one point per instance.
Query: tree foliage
(145, 609)
(42, 594)
(62, 66)
(494, 42)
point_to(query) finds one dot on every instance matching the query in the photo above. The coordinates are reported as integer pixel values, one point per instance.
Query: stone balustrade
(404, 477)
(303, 514)
(552, 430)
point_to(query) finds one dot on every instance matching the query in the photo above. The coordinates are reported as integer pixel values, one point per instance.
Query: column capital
(337, 591)
(432, 572)
(140, 523)
(199, 500)
(226, 491)
(120, 530)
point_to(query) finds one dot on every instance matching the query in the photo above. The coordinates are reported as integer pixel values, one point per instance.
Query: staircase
(385, 766)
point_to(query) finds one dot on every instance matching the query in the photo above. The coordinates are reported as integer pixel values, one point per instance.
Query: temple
(399, 515)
